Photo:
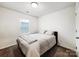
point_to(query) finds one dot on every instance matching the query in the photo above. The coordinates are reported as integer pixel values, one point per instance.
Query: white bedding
(44, 42)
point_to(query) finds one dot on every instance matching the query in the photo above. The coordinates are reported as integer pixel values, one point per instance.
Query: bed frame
(56, 35)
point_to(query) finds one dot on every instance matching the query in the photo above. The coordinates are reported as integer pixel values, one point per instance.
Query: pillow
(50, 32)
(23, 34)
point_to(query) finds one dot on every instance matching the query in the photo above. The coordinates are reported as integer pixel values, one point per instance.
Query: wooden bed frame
(56, 35)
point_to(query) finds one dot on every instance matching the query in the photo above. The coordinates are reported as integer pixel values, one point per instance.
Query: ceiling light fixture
(34, 4)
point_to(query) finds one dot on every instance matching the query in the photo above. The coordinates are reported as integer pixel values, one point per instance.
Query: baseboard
(6, 46)
(67, 48)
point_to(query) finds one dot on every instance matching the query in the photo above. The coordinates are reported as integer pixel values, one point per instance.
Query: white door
(77, 28)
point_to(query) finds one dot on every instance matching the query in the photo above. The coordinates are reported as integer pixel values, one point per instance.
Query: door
(77, 27)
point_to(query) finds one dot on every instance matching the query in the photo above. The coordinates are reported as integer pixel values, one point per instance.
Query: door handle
(77, 37)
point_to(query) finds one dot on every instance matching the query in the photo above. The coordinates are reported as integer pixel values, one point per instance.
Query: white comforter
(44, 42)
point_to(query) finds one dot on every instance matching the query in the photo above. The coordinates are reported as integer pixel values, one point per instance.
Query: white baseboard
(6, 44)
(67, 47)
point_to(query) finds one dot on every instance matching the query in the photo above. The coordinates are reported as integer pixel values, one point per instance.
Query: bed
(35, 45)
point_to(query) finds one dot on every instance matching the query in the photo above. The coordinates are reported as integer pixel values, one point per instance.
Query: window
(24, 26)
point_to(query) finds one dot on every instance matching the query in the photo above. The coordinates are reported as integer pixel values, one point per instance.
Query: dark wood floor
(56, 51)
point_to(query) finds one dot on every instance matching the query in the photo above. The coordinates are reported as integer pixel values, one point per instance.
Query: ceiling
(42, 9)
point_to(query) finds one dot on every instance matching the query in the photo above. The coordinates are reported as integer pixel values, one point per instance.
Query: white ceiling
(42, 9)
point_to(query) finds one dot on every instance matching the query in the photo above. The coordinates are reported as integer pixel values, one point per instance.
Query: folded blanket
(27, 38)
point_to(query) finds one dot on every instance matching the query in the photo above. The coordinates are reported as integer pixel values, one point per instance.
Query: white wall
(10, 26)
(62, 21)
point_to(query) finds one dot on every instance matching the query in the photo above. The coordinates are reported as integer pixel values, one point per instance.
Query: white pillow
(50, 32)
